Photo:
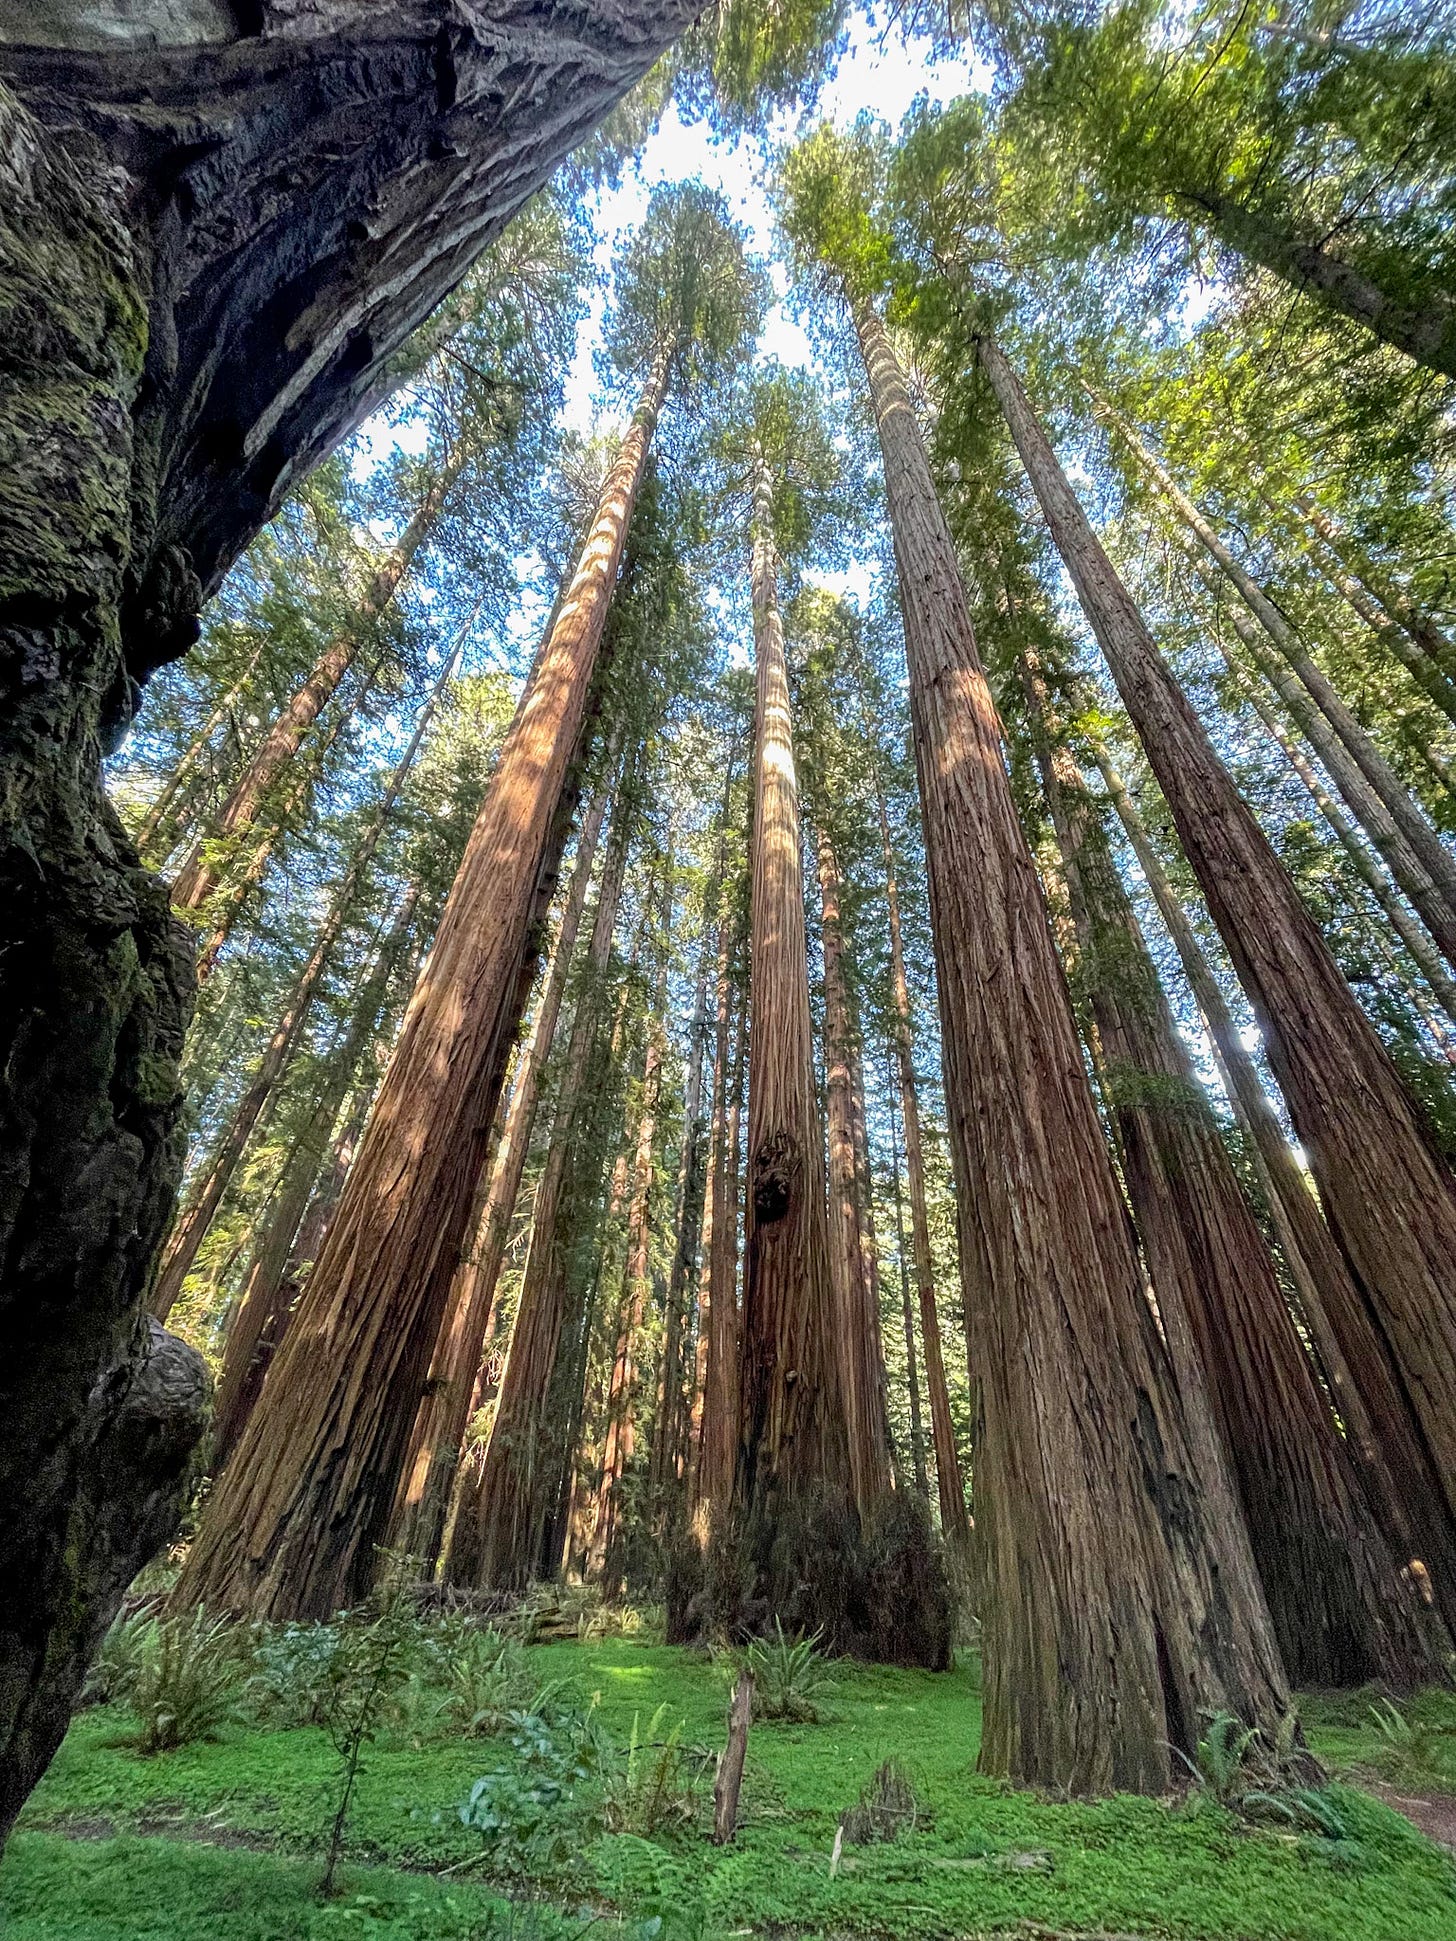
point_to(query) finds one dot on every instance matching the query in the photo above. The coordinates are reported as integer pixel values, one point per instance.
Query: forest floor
(221, 1840)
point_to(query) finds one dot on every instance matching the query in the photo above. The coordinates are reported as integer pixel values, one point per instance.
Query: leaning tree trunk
(1340, 1611)
(1406, 1497)
(293, 1528)
(179, 782)
(496, 1528)
(444, 1413)
(217, 244)
(794, 1439)
(1425, 332)
(256, 1328)
(200, 873)
(191, 1229)
(1393, 599)
(1435, 897)
(858, 1321)
(1387, 1194)
(1122, 1600)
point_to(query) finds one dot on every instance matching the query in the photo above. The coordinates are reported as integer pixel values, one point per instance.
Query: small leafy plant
(365, 1673)
(292, 1677)
(187, 1683)
(788, 1672)
(524, 1812)
(487, 1680)
(886, 1808)
(657, 1786)
(119, 1662)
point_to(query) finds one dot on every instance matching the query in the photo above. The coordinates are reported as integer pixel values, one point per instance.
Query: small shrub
(1407, 1742)
(787, 1673)
(188, 1681)
(488, 1680)
(366, 1672)
(885, 1809)
(656, 1787)
(119, 1662)
(524, 1812)
(292, 1675)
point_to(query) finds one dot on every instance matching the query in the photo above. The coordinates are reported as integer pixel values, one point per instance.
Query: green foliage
(528, 1814)
(655, 1787)
(187, 1680)
(886, 1808)
(788, 1675)
(118, 1664)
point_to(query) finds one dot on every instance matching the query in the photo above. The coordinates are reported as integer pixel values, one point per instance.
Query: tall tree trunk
(178, 375)
(912, 1373)
(794, 1437)
(1339, 1610)
(191, 1228)
(496, 1527)
(444, 1413)
(156, 816)
(1393, 599)
(872, 1347)
(1426, 333)
(1369, 811)
(1122, 1598)
(1393, 1462)
(1437, 901)
(200, 873)
(858, 1336)
(1416, 939)
(1387, 1194)
(256, 1328)
(293, 1527)
(718, 1442)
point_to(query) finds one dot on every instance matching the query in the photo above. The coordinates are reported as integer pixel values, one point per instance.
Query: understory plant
(118, 1663)
(187, 1682)
(659, 1784)
(1263, 1780)
(529, 1814)
(887, 1808)
(366, 1670)
(788, 1672)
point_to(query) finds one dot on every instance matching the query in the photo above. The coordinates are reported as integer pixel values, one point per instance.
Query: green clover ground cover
(235, 1827)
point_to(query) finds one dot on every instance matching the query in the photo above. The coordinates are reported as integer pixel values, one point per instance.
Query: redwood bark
(293, 1527)
(912, 1373)
(1387, 1194)
(718, 1443)
(444, 1413)
(1393, 1463)
(496, 1533)
(950, 1489)
(857, 1327)
(794, 1436)
(1338, 1607)
(257, 1325)
(1435, 898)
(1122, 1598)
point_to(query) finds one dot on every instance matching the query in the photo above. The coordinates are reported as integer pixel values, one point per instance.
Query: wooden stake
(729, 1780)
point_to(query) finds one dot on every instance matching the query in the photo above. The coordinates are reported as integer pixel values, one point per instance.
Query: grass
(986, 1861)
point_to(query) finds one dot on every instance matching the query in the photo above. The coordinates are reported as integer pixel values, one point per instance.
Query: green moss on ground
(989, 1860)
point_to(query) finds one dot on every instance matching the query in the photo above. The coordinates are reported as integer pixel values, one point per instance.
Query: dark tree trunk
(212, 251)
(718, 1437)
(1387, 1193)
(1122, 1598)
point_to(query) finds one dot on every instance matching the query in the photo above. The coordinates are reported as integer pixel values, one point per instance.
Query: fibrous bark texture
(1339, 1610)
(216, 229)
(300, 1511)
(718, 1431)
(794, 1436)
(1387, 1194)
(1122, 1599)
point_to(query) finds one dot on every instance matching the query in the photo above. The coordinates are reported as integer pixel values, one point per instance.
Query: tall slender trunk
(1369, 811)
(871, 1344)
(1426, 333)
(912, 1372)
(718, 1442)
(1416, 939)
(1387, 1194)
(1392, 1461)
(495, 1531)
(1393, 599)
(950, 1488)
(256, 1328)
(794, 1436)
(191, 1228)
(620, 1437)
(857, 1332)
(199, 875)
(1334, 1595)
(1122, 1598)
(440, 1426)
(1437, 902)
(293, 1528)
(167, 795)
